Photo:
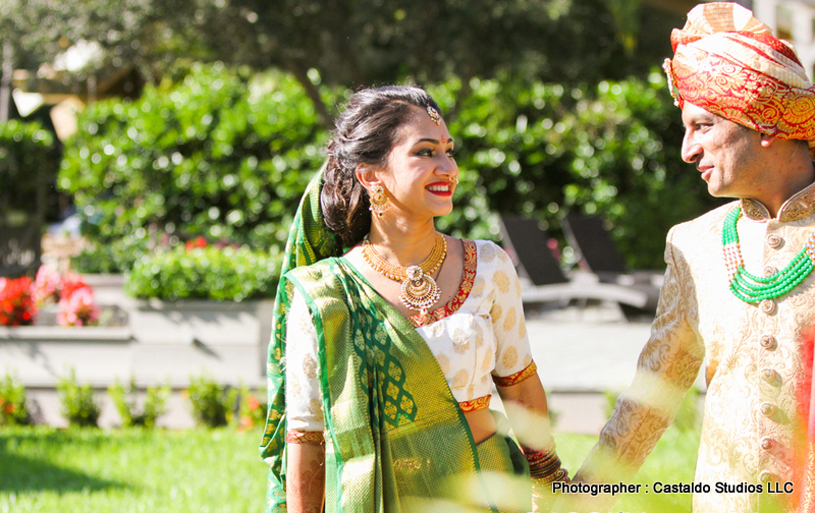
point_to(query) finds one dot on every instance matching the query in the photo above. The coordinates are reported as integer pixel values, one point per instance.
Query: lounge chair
(598, 254)
(20, 250)
(544, 281)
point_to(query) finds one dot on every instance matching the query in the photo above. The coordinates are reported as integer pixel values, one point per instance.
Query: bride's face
(420, 172)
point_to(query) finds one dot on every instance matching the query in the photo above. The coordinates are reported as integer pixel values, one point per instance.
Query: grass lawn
(131, 470)
(672, 461)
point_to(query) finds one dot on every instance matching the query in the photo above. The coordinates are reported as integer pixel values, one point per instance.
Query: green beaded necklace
(750, 288)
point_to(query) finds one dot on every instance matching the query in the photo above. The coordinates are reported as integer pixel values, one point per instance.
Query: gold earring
(379, 201)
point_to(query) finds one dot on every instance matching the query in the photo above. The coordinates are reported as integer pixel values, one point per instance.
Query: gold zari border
(514, 379)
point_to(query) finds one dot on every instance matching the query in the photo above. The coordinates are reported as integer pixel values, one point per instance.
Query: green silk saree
(396, 440)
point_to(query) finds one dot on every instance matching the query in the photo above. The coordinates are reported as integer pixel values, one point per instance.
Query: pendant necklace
(419, 289)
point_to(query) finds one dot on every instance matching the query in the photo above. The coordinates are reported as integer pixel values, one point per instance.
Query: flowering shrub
(73, 295)
(13, 409)
(17, 307)
(198, 242)
(45, 288)
(70, 284)
(78, 309)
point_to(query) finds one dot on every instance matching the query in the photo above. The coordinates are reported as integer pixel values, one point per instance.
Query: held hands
(543, 498)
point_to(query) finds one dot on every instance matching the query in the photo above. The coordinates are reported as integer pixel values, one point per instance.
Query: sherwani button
(766, 476)
(773, 240)
(767, 409)
(767, 306)
(768, 375)
(767, 341)
(767, 443)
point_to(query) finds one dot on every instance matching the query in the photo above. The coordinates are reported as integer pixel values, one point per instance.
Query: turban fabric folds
(729, 63)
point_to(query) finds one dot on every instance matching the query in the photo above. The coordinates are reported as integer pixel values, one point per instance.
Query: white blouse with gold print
(478, 337)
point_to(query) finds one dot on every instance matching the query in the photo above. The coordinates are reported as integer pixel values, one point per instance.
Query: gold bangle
(541, 456)
(560, 474)
(545, 465)
(545, 471)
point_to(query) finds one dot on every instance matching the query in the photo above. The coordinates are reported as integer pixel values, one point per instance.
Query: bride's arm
(305, 478)
(305, 448)
(526, 408)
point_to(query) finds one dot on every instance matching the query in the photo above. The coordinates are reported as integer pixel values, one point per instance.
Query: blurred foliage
(543, 150)
(213, 405)
(124, 398)
(28, 155)
(362, 42)
(219, 274)
(535, 91)
(251, 408)
(78, 404)
(224, 154)
(40, 30)
(112, 258)
(351, 43)
(13, 403)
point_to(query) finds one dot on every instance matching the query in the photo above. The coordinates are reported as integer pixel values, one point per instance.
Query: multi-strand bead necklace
(419, 289)
(750, 288)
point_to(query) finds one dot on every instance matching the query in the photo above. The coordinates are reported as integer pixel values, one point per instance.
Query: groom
(739, 289)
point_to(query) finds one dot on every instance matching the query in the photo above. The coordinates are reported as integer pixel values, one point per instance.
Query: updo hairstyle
(365, 133)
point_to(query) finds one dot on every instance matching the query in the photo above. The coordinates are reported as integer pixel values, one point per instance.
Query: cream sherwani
(754, 361)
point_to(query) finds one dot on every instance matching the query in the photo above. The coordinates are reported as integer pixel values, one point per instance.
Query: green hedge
(543, 150)
(226, 155)
(28, 153)
(226, 274)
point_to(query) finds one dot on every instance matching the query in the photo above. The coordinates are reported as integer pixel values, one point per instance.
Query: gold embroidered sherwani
(754, 361)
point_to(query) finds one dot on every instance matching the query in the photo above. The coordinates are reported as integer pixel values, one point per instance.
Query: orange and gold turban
(729, 63)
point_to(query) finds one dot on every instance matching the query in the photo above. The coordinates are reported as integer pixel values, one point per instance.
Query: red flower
(252, 402)
(16, 305)
(46, 286)
(78, 309)
(71, 284)
(198, 242)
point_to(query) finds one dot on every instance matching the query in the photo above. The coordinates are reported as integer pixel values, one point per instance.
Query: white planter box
(201, 322)
(40, 355)
(180, 339)
(164, 342)
(108, 289)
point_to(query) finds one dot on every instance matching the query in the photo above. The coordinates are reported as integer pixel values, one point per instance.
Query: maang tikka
(434, 115)
(379, 201)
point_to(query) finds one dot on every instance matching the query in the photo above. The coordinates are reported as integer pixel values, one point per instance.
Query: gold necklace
(419, 289)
